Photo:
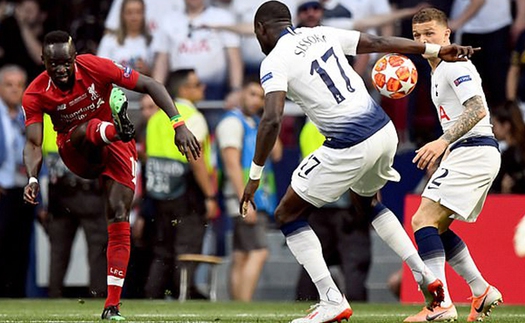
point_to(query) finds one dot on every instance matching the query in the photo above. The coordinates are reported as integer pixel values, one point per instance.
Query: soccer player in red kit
(95, 137)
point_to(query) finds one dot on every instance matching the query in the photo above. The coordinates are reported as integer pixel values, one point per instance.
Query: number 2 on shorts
(437, 181)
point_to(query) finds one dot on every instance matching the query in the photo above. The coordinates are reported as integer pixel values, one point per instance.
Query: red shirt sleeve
(112, 72)
(32, 109)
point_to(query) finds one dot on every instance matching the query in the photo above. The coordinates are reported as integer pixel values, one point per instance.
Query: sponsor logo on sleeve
(127, 72)
(461, 79)
(266, 77)
(125, 69)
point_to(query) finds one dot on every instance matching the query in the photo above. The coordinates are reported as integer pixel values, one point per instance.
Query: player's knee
(121, 216)
(284, 216)
(119, 213)
(280, 216)
(78, 136)
(419, 220)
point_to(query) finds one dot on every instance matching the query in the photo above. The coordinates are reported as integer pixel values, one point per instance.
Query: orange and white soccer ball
(394, 76)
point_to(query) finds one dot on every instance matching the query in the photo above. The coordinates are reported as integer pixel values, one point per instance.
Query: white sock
(464, 265)
(437, 266)
(306, 248)
(390, 230)
(419, 269)
(103, 126)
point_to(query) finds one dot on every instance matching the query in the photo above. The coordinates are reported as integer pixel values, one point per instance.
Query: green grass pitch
(71, 310)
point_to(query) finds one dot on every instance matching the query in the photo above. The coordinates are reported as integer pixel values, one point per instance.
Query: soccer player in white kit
(458, 188)
(308, 66)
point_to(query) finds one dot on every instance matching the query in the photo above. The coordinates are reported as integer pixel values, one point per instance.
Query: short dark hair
(273, 11)
(429, 14)
(177, 79)
(56, 37)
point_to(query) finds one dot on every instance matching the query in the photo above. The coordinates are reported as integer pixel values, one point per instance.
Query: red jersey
(88, 99)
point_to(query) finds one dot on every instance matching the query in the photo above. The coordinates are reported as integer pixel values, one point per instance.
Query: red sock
(118, 258)
(101, 133)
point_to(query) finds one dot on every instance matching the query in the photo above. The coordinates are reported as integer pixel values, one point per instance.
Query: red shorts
(117, 161)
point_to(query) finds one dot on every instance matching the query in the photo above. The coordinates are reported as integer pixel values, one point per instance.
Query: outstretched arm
(184, 139)
(376, 44)
(266, 137)
(33, 160)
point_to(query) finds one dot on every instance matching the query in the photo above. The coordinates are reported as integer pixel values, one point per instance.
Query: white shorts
(327, 173)
(463, 179)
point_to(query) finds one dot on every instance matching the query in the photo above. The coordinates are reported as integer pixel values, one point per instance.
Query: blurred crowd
(206, 54)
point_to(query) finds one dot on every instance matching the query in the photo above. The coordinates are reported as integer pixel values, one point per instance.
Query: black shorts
(248, 237)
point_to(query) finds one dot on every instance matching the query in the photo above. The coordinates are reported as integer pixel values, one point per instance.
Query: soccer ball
(394, 76)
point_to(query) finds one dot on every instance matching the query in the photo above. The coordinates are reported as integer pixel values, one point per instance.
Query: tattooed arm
(474, 111)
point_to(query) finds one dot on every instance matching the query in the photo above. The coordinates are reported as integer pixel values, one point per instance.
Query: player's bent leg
(388, 227)
(291, 208)
(100, 133)
(485, 297)
(94, 132)
(430, 213)
(306, 248)
(119, 199)
(429, 216)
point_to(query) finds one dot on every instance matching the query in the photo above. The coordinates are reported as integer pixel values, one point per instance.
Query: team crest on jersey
(266, 77)
(461, 79)
(93, 92)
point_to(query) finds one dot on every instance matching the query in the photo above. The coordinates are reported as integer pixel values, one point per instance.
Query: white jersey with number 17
(310, 65)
